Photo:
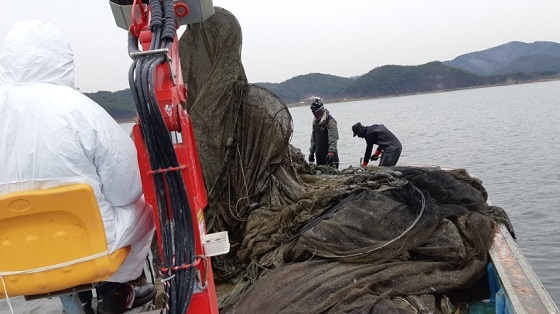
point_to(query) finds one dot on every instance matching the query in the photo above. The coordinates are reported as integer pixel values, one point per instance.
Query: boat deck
(519, 283)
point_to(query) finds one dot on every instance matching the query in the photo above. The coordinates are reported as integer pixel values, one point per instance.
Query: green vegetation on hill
(398, 80)
(499, 59)
(305, 86)
(511, 63)
(390, 80)
(120, 104)
(539, 65)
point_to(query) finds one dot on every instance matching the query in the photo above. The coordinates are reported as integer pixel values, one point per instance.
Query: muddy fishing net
(310, 240)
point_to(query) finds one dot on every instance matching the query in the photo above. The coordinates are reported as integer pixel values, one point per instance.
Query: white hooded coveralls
(52, 135)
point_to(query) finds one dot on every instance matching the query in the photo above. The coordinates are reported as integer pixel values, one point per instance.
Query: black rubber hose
(177, 228)
(169, 26)
(166, 157)
(132, 45)
(157, 14)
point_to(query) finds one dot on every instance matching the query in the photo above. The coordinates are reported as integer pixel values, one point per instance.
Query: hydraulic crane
(169, 163)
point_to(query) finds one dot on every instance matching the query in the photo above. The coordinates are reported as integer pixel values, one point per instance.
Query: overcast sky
(286, 38)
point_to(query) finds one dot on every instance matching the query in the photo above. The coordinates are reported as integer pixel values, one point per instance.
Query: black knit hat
(317, 104)
(358, 129)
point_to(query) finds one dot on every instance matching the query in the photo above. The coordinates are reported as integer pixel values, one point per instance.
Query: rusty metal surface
(520, 283)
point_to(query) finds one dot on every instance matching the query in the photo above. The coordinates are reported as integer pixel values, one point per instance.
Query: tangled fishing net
(357, 241)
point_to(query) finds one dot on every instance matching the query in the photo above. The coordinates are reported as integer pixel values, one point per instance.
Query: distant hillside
(305, 86)
(540, 65)
(397, 80)
(119, 105)
(514, 62)
(529, 58)
(391, 80)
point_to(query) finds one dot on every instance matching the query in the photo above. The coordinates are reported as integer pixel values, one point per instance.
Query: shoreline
(333, 101)
(339, 100)
(121, 121)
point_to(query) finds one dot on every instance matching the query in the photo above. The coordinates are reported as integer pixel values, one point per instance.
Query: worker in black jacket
(324, 136)
(389, 147)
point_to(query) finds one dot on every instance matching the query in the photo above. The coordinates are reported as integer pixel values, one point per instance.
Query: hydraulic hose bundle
(175, 219)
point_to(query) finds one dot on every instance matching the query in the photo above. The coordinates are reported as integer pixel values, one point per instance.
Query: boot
(86, 297)
(113, 297)
(143, 294)
(116, 298)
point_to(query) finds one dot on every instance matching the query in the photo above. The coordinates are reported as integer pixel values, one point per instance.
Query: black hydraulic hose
(177, 228)
(143, 111)
(162, 140)
(169, 26)
(159, 159)
(183, 238)
(159, 184)
(132, 46)
(157, 14)
(182, 217)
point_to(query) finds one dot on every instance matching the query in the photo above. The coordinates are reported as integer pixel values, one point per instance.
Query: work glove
(311, 157)
(330, 158)
(375, 155)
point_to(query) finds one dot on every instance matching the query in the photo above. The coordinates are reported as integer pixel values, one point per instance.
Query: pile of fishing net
(361, 240)
(400, 238)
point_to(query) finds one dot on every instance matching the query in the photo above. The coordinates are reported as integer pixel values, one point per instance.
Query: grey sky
(285, 38)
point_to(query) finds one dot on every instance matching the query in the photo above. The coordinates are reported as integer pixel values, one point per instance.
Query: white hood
(36, 52)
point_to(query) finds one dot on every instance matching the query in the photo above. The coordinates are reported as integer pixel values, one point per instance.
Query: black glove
(311, 157)
(329, 159)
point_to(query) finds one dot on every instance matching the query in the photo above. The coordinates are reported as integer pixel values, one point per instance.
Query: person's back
(389, 146)
(52, 135)
(380, 135)
(48, 140)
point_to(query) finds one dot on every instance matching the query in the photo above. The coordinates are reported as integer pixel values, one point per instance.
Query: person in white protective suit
(52, 135)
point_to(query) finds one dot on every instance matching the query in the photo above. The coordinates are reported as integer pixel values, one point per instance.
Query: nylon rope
(55, 266)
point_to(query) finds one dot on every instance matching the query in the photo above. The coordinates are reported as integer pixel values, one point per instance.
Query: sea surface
(506, 136)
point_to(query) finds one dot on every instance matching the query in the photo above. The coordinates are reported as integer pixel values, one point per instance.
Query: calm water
(505, 136)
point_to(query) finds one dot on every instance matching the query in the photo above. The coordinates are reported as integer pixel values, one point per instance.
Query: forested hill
(120, 104)
(531, 58)
(511, 63)
(390, 80)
